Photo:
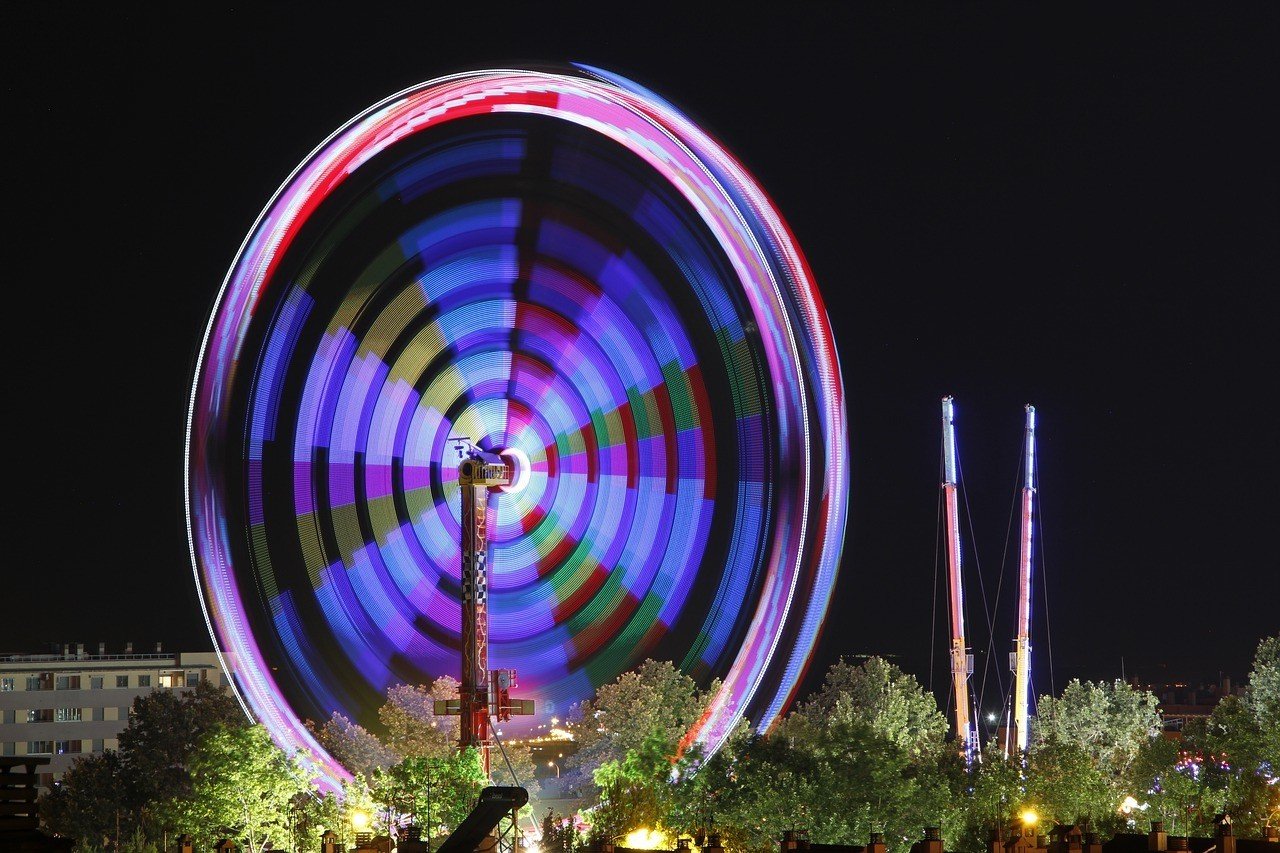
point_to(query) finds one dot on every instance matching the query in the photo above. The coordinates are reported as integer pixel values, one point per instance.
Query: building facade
(71, 704)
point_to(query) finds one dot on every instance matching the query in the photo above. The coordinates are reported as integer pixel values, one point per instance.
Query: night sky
(1078, 210)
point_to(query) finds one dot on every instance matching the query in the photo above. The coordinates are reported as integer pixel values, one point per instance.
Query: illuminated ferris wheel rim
(736, 212)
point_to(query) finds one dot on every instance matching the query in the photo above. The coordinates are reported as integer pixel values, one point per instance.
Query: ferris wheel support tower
(483, 694)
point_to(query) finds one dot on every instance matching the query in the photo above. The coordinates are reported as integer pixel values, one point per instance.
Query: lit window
(67, 715)
(42, 715)
(6, 685)
(67, 747)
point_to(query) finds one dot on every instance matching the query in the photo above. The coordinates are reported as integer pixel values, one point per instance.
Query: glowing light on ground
(647, 839)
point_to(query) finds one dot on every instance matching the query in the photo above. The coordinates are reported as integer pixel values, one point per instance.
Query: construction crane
(961, 661)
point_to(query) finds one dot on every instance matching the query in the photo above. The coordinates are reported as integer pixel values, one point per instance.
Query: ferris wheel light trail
(564, 267)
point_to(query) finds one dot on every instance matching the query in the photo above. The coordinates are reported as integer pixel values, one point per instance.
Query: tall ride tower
(483, 694)
(961, 666)
(1022, 644)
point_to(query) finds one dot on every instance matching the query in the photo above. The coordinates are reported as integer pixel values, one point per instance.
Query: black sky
(1065, 206)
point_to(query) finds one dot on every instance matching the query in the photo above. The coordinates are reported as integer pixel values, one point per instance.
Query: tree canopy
(867, 753)
(243, 787)
(1110, 721)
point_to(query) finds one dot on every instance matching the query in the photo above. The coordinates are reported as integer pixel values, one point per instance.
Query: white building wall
(66, 706)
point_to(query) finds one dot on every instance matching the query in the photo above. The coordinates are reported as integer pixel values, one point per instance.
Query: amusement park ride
(1013, 735)
(564, 267)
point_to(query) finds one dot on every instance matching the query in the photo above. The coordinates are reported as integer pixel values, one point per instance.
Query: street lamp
(556, 766)
(1029, 820)
(360, 823)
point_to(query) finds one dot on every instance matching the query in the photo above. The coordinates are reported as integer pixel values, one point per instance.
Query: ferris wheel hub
(518, 461)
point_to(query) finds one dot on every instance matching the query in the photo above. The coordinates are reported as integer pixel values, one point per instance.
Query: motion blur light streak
(561, 267)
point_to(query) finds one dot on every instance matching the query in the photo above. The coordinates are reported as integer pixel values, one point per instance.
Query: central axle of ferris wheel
(483, 694)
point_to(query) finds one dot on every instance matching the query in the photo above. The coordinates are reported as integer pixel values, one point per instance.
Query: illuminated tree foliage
(629, 745)
(412, 728)
(1242, 742)
(165, 728)
(1171, 781)
(1111, 722)
(243, 787)
(1067, 784)
(437, 792)
(354, 746)
(991, 795)
(653, 701)
(883, 697)
(116, 794)
(865, 755)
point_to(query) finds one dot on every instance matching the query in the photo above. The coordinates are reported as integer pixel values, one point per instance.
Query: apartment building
(72, 704)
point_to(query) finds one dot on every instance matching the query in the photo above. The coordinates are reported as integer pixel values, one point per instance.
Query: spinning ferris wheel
(565, 269)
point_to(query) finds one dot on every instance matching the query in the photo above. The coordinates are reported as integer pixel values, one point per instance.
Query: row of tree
(186, 763)
(867, 753)
(191, 763)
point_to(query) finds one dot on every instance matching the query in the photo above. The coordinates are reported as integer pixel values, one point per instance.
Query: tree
(1171, 781)
(635, 791)
(115, 794)
(86, 804)
(883, 697)
(409, 718)
(993, 793)
(352, 745)
(522, 764)
(1242, 742)
(629, 743)
(865, 755)
(558, 834)
(1262, 699)
(313, 812)
(655, 699)
(164, 730)
(1067, 785)
(1111, 722)
(243, 786)
(439, 792)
